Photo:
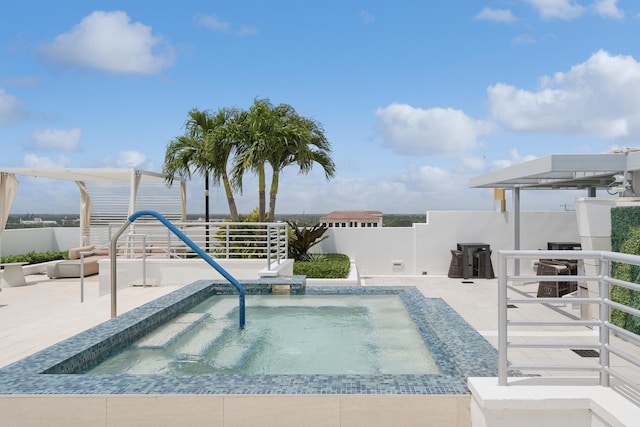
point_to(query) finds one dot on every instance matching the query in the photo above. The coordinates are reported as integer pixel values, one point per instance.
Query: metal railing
(129, 250)
(223, 240)
(601, 263)
(113, 248)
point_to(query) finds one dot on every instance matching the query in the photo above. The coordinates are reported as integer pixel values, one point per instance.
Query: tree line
(224, 145)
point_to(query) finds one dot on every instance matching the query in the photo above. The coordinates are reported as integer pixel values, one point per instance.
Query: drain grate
(586, 353)
(467, 281)
(512, 306)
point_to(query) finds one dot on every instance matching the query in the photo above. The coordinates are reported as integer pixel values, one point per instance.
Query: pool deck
(45, 311)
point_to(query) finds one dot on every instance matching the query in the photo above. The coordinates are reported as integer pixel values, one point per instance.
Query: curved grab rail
(189, 243)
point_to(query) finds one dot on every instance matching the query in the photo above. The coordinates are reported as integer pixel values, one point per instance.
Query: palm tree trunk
(261, 193)
(233, 210)
(275, 179)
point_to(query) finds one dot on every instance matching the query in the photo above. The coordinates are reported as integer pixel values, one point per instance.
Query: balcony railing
(227, 240)
(600, 262)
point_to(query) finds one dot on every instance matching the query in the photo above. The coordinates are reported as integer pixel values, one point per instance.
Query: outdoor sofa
(72, 266)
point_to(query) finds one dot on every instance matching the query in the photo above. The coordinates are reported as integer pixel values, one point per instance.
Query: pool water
(284, 334)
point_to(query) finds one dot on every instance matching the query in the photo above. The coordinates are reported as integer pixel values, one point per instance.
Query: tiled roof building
(352, 219)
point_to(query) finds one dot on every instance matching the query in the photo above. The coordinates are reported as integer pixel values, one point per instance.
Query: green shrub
(35, 257)
(303, 239)
(625, 238)
(316, 257)
(325, 266)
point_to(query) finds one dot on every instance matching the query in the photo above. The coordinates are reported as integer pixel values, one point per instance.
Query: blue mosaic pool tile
(457, 348)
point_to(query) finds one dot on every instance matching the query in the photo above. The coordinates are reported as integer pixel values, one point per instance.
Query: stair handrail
(189, 243)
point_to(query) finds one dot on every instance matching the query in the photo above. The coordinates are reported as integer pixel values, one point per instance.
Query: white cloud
(33, 161)
(514, 159)
(22, 81)
(437, 131)
(366, 17)
(472, 164)
(213, 22)
(600, 97)
(127, 159)
(110, 41)
(608, 8)
(57, 139)
(246, 30)
(497, 15)
(523, 39)
(560, 9)
(216, 24)
(415, 190)
(12, 110)
(431, 180)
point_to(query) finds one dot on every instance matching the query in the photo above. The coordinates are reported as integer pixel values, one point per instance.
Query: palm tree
(204, 149)
(301, 141)
(280, 137)
(223, 145)
(254, 131)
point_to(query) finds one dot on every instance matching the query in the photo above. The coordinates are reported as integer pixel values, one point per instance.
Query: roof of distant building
(352, 216)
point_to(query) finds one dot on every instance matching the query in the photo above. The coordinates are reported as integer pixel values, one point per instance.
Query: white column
(516, 227)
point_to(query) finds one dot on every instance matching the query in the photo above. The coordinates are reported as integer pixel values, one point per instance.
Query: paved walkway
(44, 312)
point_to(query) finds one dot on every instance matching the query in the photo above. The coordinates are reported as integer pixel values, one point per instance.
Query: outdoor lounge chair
(72, 266)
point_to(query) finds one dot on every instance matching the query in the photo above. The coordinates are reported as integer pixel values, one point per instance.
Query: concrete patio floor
(45, 311)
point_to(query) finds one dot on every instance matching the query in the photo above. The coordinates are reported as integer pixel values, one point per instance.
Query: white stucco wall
(427, 247)
(24, 240)
(424, 247)
(163, 272)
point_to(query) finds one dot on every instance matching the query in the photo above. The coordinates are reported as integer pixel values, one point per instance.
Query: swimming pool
(458, 350)
(285, 334)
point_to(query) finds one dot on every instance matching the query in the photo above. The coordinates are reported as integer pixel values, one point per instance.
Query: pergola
(106, 194)
(563, 172)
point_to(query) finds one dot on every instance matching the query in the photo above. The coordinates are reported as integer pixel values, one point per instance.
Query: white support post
(605, 312)
(516, 228)
(502, 319)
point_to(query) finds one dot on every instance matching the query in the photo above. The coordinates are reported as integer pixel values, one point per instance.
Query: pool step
(202, 340)
(234, 353)
(165, 335)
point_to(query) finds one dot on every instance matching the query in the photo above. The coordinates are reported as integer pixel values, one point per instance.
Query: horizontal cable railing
(228, 240)
(599, 294)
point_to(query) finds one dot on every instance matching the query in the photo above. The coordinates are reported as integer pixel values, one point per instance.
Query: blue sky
(414, 96)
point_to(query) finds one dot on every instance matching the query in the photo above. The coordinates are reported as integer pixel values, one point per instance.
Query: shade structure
(565, 172)
(108, 194)
(8, 189)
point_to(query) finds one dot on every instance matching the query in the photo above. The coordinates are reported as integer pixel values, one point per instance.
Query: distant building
(37, 220)
(352, 219)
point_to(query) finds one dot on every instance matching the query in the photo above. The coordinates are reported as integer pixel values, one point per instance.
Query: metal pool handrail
(186, 240)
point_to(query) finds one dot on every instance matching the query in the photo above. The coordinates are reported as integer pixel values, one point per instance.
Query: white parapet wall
(24, 240)
(163, 271)
(425, 248)
(527, 402)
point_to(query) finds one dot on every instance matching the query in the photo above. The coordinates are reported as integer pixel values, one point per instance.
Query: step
(165, 335)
